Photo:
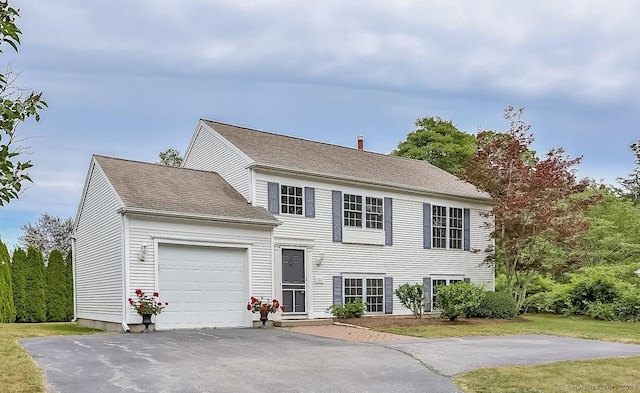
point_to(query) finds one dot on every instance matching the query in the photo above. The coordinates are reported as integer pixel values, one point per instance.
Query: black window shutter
(388, 295)
(426, 225)
(426, 282)
(388, 221)
(467, 230)
(309, 202)
(273, 191)
(337, 290)
(336, 204)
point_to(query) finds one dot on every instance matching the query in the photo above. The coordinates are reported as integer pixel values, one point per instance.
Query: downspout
(125, 269)
(73, 274)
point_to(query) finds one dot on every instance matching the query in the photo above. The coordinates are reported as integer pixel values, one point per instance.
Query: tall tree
(56, 297)
(538, 217)
(68, 276)
(48, 233)
(16, 105)
(7, 308)
(18, 267)
(440, 143)
(35, 304)
(170, 157)
(632, 182)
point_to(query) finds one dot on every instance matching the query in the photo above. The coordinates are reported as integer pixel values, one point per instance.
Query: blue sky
(131, 78)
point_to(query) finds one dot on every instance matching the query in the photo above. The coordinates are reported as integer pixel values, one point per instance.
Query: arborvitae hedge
(18, 266)
(35, 304)
(68, 265)
(56, 288)
(7, 308)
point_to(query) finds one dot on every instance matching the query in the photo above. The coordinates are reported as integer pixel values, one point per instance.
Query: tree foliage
(170, 157)
(48, 233)
(16, 105)
(412, 297)
(537, 216)
(35, 306)
(7, 308)
(18, 267)
(438, 142)
(56, 298)
(632, 182)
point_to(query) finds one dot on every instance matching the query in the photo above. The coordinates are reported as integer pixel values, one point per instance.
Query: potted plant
(264, 308)
(147, 306)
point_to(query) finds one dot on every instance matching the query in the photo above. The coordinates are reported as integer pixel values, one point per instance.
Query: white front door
(293, 281)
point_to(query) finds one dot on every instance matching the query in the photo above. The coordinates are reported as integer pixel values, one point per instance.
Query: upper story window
(291, 200)
(444, 224)
(374, 213)
(353, 211)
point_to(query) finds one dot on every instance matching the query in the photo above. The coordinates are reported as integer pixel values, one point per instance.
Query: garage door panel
(205, 286)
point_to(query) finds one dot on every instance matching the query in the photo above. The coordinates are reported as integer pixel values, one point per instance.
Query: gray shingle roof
(188, 192)
(302, 155)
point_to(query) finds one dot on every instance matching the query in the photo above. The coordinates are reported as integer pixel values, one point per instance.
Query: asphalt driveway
(275, 360)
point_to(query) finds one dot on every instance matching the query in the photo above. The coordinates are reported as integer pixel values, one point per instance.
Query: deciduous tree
(48, 233)
(16, 105)
(538, 217)
(632, 182)
(170, 157)
(440, 143)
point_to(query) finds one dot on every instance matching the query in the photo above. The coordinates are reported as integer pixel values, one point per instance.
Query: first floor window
(436, 284)
(369, 290)
(291, 200)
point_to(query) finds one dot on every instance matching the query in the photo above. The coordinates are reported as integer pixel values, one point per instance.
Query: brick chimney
(360, 142)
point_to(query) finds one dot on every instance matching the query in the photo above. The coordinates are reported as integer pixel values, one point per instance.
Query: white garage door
(205, 287)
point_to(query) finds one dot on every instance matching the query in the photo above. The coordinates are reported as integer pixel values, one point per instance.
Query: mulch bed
(426, 320)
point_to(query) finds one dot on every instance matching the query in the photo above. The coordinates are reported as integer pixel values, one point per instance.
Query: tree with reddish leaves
(538, 215)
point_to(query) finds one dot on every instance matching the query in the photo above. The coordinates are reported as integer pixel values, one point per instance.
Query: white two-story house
(309, 223)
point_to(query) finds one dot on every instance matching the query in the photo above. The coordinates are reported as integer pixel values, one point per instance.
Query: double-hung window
(369, 290)
(291, 200)
(447, 227)
(354, 210)
(436, 284)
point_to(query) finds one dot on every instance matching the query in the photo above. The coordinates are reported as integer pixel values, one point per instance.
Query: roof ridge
(154, 164)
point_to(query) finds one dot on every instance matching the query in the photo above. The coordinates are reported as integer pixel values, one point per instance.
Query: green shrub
(355, 309)
(459, 299)
(627, 306)
(412, 297)
(498, 305)
(603, 311)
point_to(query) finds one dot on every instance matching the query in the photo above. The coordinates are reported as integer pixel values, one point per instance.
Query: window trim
(302, 200)
(363, 279)
(364, 213)
(448, 280)
(447, 228)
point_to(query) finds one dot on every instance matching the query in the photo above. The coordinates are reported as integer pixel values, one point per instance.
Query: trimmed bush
(412, 297)
(497, 305)
(353, 309)
(458, 299)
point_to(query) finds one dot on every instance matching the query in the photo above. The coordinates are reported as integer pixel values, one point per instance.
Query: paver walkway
(348, 333)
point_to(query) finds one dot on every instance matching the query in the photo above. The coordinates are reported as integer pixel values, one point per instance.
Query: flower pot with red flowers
(264, 308)
(146, 306)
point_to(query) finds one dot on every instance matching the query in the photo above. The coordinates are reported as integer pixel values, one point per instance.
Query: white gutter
(125, 269)
(207, 217)
(73, 274)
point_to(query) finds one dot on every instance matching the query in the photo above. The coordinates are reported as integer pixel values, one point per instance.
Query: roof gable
(301, 155)
(187, 192)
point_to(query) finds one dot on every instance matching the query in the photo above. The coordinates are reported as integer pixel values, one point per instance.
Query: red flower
(159, 303)
(282, 308)
(249, 306)
(155, 294)
(253, 300)
(138, 291)
(166, 303)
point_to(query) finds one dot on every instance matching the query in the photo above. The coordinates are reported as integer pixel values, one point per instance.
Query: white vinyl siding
(98, 252)
(210, 153)
(406, 261)
(155, 232)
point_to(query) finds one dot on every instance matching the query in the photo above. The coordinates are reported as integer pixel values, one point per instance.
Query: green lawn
(619, 374)
(19, 372)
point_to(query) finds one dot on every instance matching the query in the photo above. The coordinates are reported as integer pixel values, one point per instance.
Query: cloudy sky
(131, 78)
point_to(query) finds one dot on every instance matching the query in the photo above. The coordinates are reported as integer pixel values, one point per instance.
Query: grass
(19, 371)
(617, 374)
(579, 327)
